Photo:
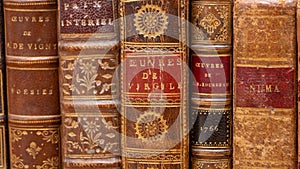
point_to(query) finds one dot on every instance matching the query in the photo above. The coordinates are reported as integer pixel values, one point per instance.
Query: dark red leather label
(265, 87)
(211, 74)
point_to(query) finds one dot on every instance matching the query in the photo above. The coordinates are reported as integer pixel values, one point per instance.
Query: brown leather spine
(211, 105)
(154, 84)
(3, 109)
(32, 83)
(89, 53)
(264, 84)
(298, 78)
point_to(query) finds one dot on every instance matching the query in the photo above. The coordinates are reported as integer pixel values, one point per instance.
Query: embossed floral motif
(16, 135)
(151, 126)
(210, 22)
(33, 150)
(17, 162)
(151, 21)
(87, 68)
(50, 163)
(92, 139)
(91, 127)
(87, 80)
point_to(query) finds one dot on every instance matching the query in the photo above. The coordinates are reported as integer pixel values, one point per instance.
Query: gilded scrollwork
(49, 136)
(18, 162)
(214, 164)
(16, 134)
(211, 22)
(50, 163)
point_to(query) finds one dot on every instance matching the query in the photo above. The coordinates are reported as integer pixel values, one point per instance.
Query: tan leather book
(211, 90)
(264, 84)
(154, 57)
(89, 53)
(32, 83)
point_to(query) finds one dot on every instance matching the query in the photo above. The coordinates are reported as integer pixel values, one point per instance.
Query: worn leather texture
(89, 58)
(298, 47)
(264, 84)
(154, 57)
(211, 92)
(32, 83)
(4, 160)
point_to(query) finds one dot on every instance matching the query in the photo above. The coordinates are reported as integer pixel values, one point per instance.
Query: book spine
(211, 94)
(154, 122)
(4, 158)
(89, 57)
(264, 84)
(298, 75)
(32, 83)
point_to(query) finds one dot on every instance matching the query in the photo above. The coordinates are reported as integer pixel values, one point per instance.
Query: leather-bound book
(264, 99)
(32, 83)
(298, 77)
(154, 121)
(3, 108)
(89, 53)
(211, 95)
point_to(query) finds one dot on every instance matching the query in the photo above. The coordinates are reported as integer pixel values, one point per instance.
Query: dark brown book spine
(264, 123)
(211, 111)
(154, 84)
(4, 163)
(32, 83)
(298, 75)
(89, 54)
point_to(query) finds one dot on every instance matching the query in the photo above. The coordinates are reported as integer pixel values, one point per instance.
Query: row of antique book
(149, 84)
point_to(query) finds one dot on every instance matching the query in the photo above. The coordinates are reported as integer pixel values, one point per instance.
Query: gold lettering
(66, 6)
(268, 88)
(68, 23)
(170, 62)
(207, 75)
(146, 86)
(154, 76)
(171, 86)
(83, 22)
(29, 45)
(161, 62)
(145, 75)
(26, 18)
(33, 19)
(103, 21)
(91, 22)
(178, 62)
(14, 19)
(155, 86)
(26, 33)
(18, 91)
(47, 19)
(150, 62)
(132, 63)
(96, 4)
(26, 92)
(252, 88)
(276, 90)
